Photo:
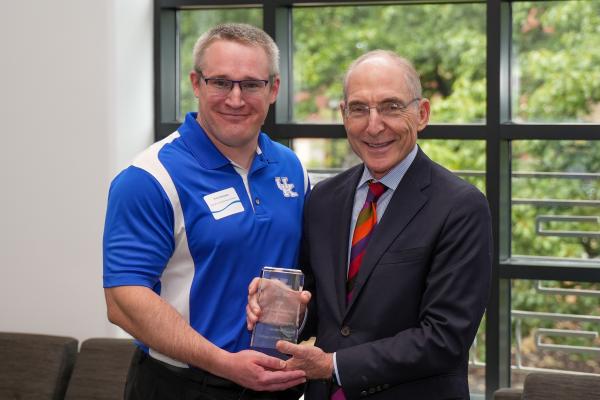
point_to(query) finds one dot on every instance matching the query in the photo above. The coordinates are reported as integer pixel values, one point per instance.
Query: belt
(192, 373)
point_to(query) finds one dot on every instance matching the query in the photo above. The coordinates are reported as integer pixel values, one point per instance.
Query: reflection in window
(555, 61)
(192, 24)
(556, 199)
(555, 326)
(449, 55)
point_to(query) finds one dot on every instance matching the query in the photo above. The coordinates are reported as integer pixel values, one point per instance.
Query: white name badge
(224, 203)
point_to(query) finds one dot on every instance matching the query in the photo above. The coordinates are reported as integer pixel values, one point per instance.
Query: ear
(424, 110)
(342, 108)
(274, 89)
(195, 80)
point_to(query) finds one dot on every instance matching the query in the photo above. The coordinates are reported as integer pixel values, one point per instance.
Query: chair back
(35, 366)
(101, 369)
(560, 386)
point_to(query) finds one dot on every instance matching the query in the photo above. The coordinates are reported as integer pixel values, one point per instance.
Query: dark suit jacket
(420, 293)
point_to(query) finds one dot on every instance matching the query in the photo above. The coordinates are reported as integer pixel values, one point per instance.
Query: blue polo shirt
(181, 221)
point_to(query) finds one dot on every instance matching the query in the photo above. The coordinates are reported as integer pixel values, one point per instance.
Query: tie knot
(376, 189)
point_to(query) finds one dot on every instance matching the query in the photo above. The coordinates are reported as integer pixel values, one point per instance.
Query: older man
(193, 220)
(397, 253)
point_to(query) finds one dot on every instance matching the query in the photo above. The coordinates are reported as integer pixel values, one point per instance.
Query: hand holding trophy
(280, 301)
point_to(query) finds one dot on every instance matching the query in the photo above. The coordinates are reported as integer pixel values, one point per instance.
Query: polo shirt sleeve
(138, 230)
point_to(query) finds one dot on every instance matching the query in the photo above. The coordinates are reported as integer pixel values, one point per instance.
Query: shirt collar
(206, 152)
(392, 179)
(258, 153)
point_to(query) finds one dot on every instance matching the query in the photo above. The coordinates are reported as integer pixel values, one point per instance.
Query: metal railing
(519, 316)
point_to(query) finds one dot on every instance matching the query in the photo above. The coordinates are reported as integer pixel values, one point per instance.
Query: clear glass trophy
(279, 301)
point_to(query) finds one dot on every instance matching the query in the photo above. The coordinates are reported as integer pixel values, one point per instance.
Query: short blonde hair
(242, 33)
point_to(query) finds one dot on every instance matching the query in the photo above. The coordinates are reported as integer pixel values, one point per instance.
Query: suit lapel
(344, 202)
(405, 203)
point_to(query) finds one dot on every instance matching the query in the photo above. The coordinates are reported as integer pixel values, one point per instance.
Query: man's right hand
(273, 291)
(260, 372)
(146, 316)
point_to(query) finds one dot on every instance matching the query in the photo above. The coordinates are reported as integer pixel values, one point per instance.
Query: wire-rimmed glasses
(388, 108)
(223, 86)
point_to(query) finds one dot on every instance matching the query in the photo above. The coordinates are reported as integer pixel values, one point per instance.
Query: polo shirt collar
(206, 152)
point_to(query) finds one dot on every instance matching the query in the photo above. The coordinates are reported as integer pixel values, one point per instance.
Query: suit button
(345, 331)
(386, 386)
(371, 390)
(363, 393)
(378, 388)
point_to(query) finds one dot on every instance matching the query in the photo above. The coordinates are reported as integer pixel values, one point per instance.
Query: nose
(234, 98)
(375, 122)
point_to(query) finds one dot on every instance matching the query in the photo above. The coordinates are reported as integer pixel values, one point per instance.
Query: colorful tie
(365, 223)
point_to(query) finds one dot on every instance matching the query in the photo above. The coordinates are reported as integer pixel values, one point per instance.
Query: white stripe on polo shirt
(177, 277)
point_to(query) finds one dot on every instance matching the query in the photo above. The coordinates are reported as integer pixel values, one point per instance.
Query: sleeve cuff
(336, 375)
(301, 328)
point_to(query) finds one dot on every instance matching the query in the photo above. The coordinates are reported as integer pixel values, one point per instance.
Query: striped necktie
(365, 223)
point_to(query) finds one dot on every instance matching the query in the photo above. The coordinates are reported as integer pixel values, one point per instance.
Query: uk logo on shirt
(285, 187)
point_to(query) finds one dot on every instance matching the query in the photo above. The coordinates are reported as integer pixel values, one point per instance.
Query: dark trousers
(151, 379)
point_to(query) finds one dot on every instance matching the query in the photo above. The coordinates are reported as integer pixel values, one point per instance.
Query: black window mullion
(166, 74)
(277, 20)
(498, 192)
(557, 271)
(333, 131)
(510, 131)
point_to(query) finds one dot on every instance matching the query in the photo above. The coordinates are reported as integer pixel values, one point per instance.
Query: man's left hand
(311, 359)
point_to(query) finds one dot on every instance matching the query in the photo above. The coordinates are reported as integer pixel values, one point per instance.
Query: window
(555, 207)
(555, 76)
(451, 63)
(515, 92)
(554, 327)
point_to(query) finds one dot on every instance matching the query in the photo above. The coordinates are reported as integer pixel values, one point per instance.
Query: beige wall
(75, 106)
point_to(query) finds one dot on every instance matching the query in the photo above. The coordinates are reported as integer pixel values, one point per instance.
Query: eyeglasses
(389, 108)
(224, 86)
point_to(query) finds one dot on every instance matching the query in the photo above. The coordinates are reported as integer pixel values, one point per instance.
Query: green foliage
(451, 62)
(526, 297)
(459, 155)
(555, 45)
(548, 156)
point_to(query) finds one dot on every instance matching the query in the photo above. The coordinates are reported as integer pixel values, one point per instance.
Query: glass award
(279, 300)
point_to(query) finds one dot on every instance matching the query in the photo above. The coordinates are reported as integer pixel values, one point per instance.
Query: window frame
(497, 131)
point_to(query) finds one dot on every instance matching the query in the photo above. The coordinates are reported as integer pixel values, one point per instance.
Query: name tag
(224, 203)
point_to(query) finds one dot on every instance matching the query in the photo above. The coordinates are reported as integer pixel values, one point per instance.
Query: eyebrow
(386, 100)
(229, 79)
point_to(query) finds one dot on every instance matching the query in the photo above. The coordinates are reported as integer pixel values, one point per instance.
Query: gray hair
(241, 33)
(411, 76)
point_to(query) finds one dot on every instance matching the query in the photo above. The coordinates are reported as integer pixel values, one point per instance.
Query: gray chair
(35, 367)
(101, 369)
(554, 386)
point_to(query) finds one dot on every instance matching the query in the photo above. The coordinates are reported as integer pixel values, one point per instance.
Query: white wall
(75, 106)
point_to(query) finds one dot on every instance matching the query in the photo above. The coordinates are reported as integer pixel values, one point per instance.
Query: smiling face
(382, 142)
(232, 121)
